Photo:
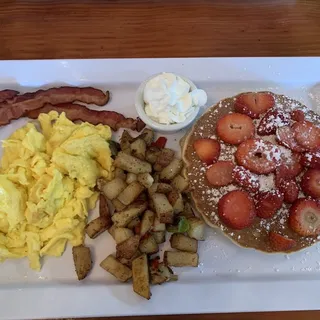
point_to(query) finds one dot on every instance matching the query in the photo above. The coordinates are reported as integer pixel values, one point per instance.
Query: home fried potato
(131, 177)
(148, 245)
(128, 262)
(119, 173)
(111, 189)
(97, 226)
(159, 236)
(122, 234)
(140, 276)
(160, 273)
(159, 187)
(163, 207)
(180, 259)
(152, 154)
(111, 230)
(138, 149)
(164, 158)
(82, 261)
(146, 179)
(187, 211)
(104, 210)
(181, 242)
(131, 164)
(118, 205)
(116, 268)
(130, 193)
(134, 223)
(146, 222)
(180, 183)
(147, 135)
(128, 248)
(157, 225)
(122, 218)
(125, 142)
(114, 147)
(197, 229)
(176, 200)
(171, 170)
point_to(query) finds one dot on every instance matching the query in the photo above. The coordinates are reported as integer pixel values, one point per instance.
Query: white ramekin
(140, 105)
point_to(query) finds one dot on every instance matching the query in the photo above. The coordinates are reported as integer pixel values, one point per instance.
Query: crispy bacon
(7, 94)
(19, 105)
(76, 112)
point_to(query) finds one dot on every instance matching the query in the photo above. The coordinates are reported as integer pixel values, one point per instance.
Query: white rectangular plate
(229, 278)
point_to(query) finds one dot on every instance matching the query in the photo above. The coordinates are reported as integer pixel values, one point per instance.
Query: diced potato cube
(159, 188)
(113, 188)
(148, 245)
(181, 242)
(173, 169)
(197, 229)
(163, 208)
(138, 149)
(128, 248)
(130, 193)
(147, 135)
(118, 205)
(180, 183)
(97, 226)
(145, 179)
(122, 218)
(122, 234)
(187, 211)
(82, 261)
(152, 154)
(159, 236)
(158, 226)
(117, 269)
(131, 177)
(133, 223)
(176, 200)
(140, 276)
(131, 164)
(180, 259)
(146, 222)
(164, 159)
(119, 173)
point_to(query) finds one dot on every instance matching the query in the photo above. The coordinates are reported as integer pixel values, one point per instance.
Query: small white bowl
(140, 107)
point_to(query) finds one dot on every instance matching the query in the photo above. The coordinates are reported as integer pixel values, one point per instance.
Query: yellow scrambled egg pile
(47, 181)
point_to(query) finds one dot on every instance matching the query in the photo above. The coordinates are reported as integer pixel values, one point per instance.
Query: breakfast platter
(159, 186)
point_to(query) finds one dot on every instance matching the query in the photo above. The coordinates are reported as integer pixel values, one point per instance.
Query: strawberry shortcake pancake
(253, 164)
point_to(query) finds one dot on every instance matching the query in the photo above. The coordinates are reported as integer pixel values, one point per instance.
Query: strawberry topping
(272, 120)
(220, 173)
(268, 203)
(290, 190)
(235, 128)
(280, 243)
(310, 183)
(246, 179)
(286, 137)
(236, 209)
(297, 115)
(258, 156)
(307, 135)
(311, 159)
(304, 217)
(208, 150)
(253, 104)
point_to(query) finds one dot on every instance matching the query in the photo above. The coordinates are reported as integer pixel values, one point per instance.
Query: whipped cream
(169, 99)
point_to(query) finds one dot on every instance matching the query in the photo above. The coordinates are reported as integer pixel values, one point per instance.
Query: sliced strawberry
(246, 179)
(272, 120)
(289, 167)
(280, 243)
(290, 190)
(311, 159)
(208, 150)
(310, 183)
(268, 203)
(297, 115)
(235, 128)
(258, 156)
(307, 135)
(285, 137)
(253, 103)
(236, 210)
(220, 173)
(304, 217)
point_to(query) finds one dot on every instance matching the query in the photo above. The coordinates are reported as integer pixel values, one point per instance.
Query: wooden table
(165, 28)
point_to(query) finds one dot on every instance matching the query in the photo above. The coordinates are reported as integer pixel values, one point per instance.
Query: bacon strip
(76, 112)
(19, 105)
(7, 94)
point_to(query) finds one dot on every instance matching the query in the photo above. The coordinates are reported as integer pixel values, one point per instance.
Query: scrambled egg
(47, 181)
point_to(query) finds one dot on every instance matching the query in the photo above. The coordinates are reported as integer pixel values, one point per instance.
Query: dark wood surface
(166, 28)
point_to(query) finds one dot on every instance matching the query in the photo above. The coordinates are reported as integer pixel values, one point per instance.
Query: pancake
(205, 197)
